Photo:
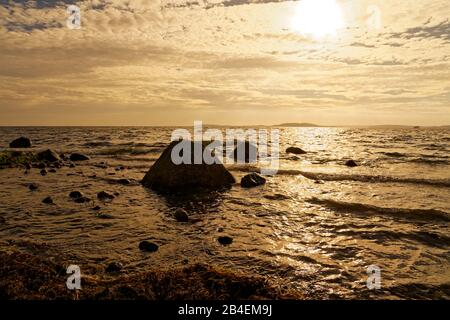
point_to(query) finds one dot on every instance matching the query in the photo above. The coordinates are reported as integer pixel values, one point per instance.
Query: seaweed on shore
(30, 277)
(14, 158)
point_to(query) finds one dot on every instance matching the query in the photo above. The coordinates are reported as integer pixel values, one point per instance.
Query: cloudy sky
(170, 62)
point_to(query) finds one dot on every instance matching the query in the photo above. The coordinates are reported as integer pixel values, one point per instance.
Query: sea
(316, 226)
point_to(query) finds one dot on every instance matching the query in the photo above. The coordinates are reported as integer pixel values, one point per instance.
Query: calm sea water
(329, 225)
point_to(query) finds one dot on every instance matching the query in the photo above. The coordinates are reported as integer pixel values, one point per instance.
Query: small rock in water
(48, 155)
(276, 196)
(52, 170)
(225, 240)
(78, 157)
(22, 142)
(28, 166)
(252, 180)
(96, 208)
(123, 181)
(43, 172)
(72, 165)
(75, 194)
(82, 200)
(295, 150)
(48, 200)
(105, 216)
(318, 181)
(103, 195)
(148, 246)
(181, 215)
(32, 186)
(114, 267)
(41, 165)
(351, 163)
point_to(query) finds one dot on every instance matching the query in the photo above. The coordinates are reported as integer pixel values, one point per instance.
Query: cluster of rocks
(79, 197)
(46, 157)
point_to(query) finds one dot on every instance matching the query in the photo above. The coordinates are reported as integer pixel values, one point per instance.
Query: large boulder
(165, 175)
(22, 142)
(48, 155)
(245, 152)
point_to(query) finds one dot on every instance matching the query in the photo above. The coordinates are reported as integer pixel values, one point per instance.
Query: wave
(394, 154)
(361, 208)
(127, 150)
(429, 161)
(366, 178)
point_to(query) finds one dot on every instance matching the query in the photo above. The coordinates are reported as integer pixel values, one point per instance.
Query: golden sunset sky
(164, 62)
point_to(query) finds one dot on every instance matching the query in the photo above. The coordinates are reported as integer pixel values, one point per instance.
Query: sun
(317, 18)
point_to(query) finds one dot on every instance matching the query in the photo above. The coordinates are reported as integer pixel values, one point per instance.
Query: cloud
(438, 31)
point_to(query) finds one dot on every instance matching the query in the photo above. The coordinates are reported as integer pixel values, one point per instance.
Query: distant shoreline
(283, 125)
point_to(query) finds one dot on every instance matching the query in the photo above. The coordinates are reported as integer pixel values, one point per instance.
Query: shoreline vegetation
(27, 276)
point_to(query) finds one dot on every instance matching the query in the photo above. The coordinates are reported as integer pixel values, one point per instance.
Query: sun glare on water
(317, 18)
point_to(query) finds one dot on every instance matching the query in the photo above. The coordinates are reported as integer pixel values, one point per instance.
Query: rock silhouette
(351, 163)
(181, 215)
(78, 157)
(252, 180)
(295, 150)
(48, 155)
(22, 142)
(165, 175)
(148, 246)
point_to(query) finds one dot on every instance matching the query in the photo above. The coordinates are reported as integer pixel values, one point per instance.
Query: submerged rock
(103, 195)
(351, 163)
(123, 181)
(181, 215)
(276, 196)
(252, 180)
(165, 175)
(82, 199)
(48, 155)
(245, 152)
(295, 150)
(22, 142)
(41, 165)
(78, 157)
(43, 172)
(225, 240)
(114, 267)
(32, 186)
(96, 208)
(48, 200)
(75, 194)
(105, 216)
(148, 246)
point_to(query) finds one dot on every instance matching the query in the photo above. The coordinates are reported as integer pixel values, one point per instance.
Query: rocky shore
(29, 277)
